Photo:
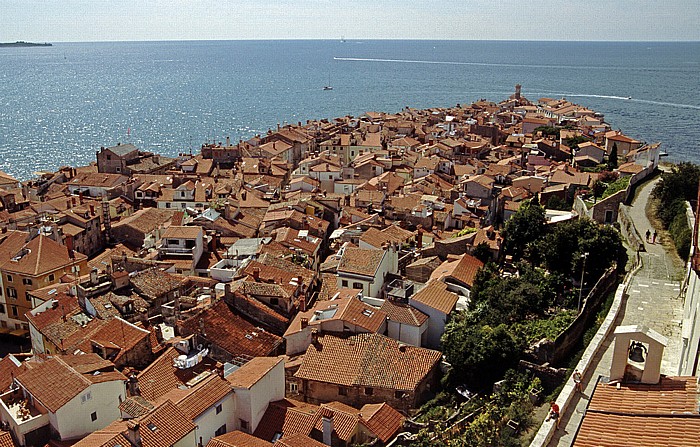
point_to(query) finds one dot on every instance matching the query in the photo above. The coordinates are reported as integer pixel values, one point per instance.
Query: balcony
(174, 250)
(22, 416)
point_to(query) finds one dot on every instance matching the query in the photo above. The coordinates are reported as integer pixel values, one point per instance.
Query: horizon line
(346, 40)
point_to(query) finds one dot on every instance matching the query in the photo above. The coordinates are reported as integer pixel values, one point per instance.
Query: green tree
(598, 188)
(526, 226)
(479, 355)
(482, 252)
(556, 203)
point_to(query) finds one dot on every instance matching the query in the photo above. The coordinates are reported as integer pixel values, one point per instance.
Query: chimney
(419, 237)
(327, 416)
(314, 336)
(80, 196)
(302, 303)
(71, 203)
(133, 433)
(93, 276)
(256, 273)
(92, 209)
(228, 141)
(304, 322)
(133, 386)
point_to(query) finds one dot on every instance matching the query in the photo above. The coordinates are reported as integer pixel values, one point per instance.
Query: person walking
(648, 234)
(577, 381)
(653, 238)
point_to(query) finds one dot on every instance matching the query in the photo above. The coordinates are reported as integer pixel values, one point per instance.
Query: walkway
(653, 301)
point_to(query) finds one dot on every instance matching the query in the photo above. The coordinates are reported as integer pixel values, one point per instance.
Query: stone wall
(451, 246)
(569, 339)
(628, 230)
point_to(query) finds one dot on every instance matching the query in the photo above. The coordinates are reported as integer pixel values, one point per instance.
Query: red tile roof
(298, 440)
(164, 426)
(249, 374)
(360, 261)
(370, 360)
(204, 395)
(403, 313)
(436, 295)
(237, 439)
(54, 382)
(664, 414)
(231, 332)
(382, 420)
(6, 439)
(288, 417)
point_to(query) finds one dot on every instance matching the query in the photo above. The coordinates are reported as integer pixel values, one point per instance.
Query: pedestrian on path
(577, 381)
(553, 413)
(653, 239)
(648, 234)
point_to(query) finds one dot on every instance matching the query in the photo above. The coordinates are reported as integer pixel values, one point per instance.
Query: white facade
(74, 419)
(413, 335)
(436, 324)
(253, 402)
(210, 421)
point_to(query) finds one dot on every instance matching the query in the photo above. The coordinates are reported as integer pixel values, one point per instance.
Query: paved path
(653, 301)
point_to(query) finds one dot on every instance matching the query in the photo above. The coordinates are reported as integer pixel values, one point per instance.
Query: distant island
(21, 43)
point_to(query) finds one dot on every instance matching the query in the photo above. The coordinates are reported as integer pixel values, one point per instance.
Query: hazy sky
(98, 20)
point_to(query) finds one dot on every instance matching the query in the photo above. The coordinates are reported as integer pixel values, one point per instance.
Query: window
(9, 278)
(109, 157)
(93, 416)
(52, 277)
(26, 281)
(222, 430)
(14, 311)
(27, 297)
(219, 408)
(2, 308)
(398, 394)
(12, 293)
(244, 425)
(293, 387)
(344, 283)
(342, 391)
(167, 204)
(357, 285)
(369, 391)
(86, 397)
(274, 301)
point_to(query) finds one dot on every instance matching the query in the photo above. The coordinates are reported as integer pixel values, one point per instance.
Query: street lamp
(583, 271)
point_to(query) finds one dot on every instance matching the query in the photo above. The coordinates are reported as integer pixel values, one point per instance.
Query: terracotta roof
(288, 417)
(164, 426)
(231, 332)
(204, 395)
(349, 310)
(10, 367)
(6, 439)
(463, 270)
(382, 420)
(110, 436)
(249, 374)
(237, 439)
(298, 440)
(662, 414)
(182, 232)
(159, 378)
(153, 283)
(360, 261)
(436, 295)
(672, 395)
(403, 313)
(54, 382)
(345, 419)
(371, 360)
(39, 256)
(614, 430)
(135, 406)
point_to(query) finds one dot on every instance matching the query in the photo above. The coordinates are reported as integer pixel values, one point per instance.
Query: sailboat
(328, 86)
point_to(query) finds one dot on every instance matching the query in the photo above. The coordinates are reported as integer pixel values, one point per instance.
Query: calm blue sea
(59, 104)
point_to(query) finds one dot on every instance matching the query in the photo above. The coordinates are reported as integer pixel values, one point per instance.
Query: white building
(366, 269)
(67, 396)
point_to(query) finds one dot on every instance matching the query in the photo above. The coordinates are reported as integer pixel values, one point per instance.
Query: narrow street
(653, 301)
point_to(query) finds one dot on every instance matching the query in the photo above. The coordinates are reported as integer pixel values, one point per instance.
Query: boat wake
(628, 98)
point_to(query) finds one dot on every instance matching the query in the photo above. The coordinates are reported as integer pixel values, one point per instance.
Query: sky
(119, 20)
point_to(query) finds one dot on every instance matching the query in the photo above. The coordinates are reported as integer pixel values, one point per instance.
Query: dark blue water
(59, 104)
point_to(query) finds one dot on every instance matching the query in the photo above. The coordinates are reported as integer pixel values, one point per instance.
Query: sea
(59, 104)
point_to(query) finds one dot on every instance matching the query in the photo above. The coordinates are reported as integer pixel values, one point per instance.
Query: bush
(681, 234)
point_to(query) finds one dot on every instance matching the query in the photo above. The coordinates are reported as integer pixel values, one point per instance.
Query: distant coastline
(21, 43)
